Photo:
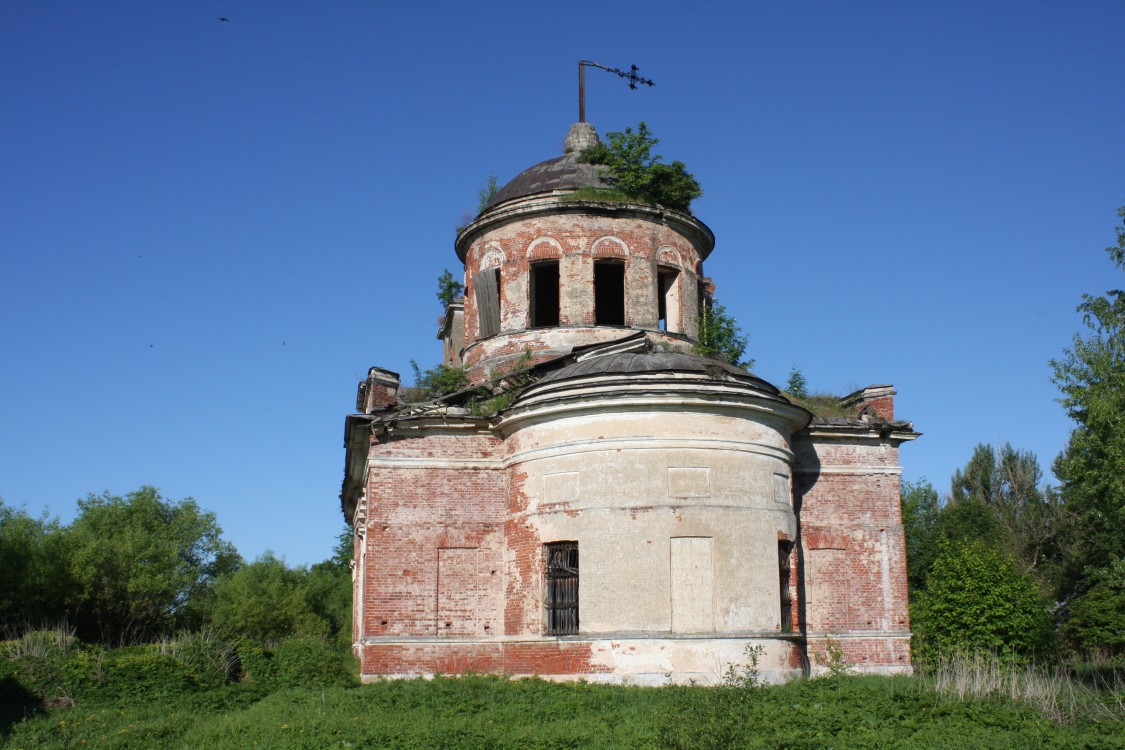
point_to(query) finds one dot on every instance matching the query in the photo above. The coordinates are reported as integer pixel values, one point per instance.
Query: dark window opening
(562, 588)
(784, 553)
(545, 294)
(609, 293)
(488, 301)
(667, 300)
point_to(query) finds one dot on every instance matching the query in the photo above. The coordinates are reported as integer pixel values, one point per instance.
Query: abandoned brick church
(601, 502)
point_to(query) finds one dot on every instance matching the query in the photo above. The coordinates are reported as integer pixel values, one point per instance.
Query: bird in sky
(224, 20)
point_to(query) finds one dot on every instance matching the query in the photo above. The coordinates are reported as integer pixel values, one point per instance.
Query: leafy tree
(638, 173)
(720, 335)
(330, 588)
(265, 601)
(797, 385)
(139, 562)
(921, 508)
(450, 290)
(34, 575)
(1007, 481)
(1096, 619)
(1091, 377)
(977, 598)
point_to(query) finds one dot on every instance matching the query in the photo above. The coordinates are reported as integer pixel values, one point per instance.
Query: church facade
(600, 502)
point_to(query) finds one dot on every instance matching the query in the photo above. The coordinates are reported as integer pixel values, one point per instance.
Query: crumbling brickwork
(700, 511)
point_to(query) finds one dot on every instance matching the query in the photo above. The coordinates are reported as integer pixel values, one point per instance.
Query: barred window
(562, 588)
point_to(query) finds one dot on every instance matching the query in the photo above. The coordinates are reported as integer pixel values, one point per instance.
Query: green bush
(302, 661)
(142, 673)
(977, 599)
(308, 661)
(640, 174)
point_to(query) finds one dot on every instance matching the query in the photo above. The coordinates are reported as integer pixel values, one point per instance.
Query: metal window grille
(784, 553)
(562, 588)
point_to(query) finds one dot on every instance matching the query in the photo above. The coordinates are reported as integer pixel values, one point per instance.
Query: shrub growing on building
(637, 172)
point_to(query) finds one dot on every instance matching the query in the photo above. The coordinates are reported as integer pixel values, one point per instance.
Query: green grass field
(493, 712)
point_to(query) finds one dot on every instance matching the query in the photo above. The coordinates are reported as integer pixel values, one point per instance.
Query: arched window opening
(668, 300)
(544, 288)
(609, 293)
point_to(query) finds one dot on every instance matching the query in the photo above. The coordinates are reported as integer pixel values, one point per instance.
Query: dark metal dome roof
(561, 173)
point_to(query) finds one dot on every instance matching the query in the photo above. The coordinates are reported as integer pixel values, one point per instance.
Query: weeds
(745, 675)
(1054, 693)
(833, 660)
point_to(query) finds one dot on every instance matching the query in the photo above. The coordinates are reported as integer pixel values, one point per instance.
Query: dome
(561, 173)
(653, 361)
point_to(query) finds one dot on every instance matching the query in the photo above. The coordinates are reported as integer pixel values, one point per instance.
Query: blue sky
(210, 230)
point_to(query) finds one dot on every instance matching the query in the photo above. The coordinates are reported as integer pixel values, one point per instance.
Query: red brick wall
(549, 657)
(431, 520)
(577, 242)
(852, 547)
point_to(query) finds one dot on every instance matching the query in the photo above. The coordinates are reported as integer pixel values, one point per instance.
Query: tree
(450, 290)
(720, 335)
(34, 576)
(977, 598)
(1091, 377)
(265, 601)
(797, 386)
(1096, 619)
(635, 171)
(921, 507)
(330, 587)
(139, 563)
(1007, 481)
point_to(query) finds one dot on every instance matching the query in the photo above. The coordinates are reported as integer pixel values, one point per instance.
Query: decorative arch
(544, 248)
(669, 256)
(493, 257)
(609, 247)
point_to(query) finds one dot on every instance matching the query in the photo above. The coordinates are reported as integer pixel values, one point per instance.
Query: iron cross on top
(632, 77)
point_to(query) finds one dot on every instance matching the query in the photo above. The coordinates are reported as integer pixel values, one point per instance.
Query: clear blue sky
(210, 230)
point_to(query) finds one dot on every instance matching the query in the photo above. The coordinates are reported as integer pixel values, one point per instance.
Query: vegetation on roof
(641, 175)
(821, 405)
(720, 335)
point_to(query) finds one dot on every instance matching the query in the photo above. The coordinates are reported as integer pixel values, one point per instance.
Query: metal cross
(631, 76)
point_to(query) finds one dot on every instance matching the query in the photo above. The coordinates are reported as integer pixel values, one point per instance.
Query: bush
(976, 599)
(438, 381)
(639, 174)
(303, 661)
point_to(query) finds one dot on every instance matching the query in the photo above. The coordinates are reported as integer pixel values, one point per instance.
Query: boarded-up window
(692, 597)
(545, 294)
(488, 301)
(784, 569)
(562, 588)
(609, 293)
(826, 589)
(461, 588)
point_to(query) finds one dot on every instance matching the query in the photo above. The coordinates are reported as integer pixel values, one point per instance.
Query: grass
(822, 405)
(494, 712)
(1057, 693)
